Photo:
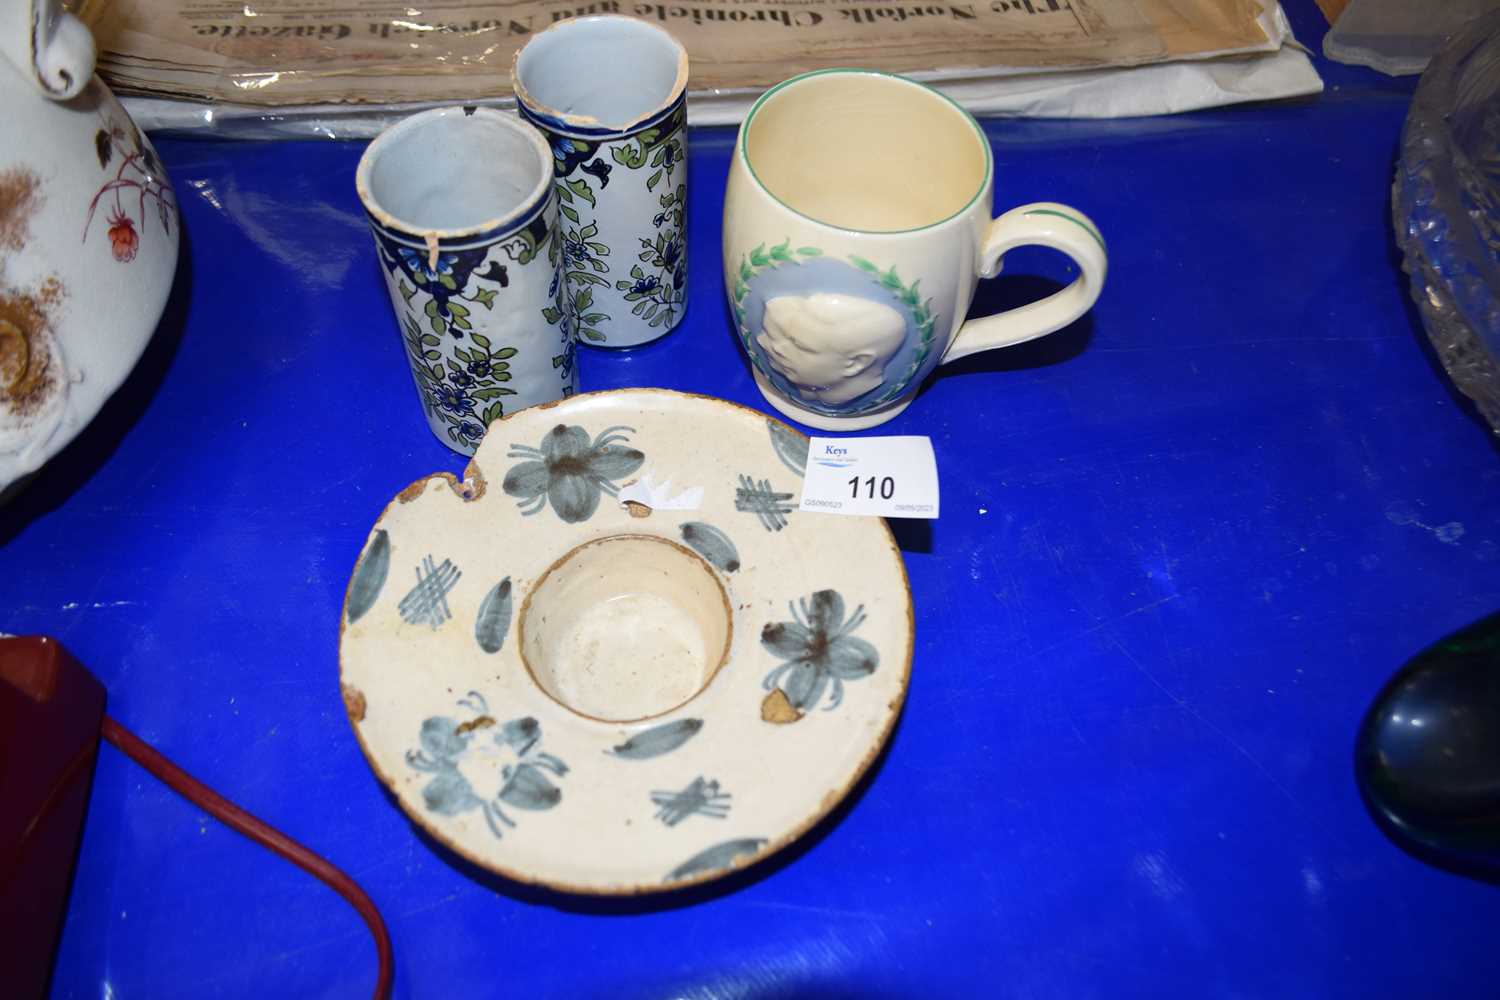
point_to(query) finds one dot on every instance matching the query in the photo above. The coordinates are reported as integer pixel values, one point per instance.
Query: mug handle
(1047, 224)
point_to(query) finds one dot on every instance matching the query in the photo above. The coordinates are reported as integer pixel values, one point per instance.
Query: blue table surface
(1183, 543)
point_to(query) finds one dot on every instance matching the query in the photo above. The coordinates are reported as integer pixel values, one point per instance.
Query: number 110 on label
(883, 476)
(887, 487)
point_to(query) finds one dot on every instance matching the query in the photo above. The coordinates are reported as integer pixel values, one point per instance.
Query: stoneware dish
(857, 222)
(460, 203)
(88, 237)
(609, 93)
(615, 658)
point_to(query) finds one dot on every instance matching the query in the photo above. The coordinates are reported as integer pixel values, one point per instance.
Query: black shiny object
(1428, 753)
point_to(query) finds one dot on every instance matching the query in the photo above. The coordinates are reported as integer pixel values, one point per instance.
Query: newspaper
(290, 54)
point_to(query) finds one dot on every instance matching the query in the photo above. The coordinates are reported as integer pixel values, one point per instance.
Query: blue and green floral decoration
(524, 773)
(462, 376)
(654, 286)
(571, 471)
(818, 650)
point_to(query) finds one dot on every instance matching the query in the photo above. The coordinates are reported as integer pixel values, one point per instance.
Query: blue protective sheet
(1183, 542)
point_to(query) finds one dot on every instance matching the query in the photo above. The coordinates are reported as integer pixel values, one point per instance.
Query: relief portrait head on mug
(832, 347)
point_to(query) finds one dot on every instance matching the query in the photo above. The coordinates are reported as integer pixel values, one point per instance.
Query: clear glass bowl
(1446, 205)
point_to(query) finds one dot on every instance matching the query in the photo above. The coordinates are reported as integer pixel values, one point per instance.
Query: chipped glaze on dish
(443, 629)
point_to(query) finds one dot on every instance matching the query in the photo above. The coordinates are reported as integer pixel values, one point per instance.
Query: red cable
(237, 819)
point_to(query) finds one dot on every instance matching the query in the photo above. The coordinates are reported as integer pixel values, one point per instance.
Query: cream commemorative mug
(856, 227)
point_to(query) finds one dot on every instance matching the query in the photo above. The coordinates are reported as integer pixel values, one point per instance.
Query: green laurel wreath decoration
(921, 317)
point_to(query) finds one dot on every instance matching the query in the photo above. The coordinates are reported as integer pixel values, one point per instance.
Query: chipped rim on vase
(586, 126)
(458, 237)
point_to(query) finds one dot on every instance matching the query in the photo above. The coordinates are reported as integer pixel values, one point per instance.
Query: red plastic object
(50, 712)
